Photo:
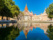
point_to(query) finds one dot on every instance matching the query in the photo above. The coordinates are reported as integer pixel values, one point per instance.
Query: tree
(50, 32)
(5, 12)
(1, 4)
(49, 11)
(21, 15)
(13, 8)
(9, 33)
(8, 8)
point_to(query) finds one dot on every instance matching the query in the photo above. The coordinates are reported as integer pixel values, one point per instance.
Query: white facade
(28, 16)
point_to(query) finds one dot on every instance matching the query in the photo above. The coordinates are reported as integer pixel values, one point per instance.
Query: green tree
(8, 8)
(1, 4)
(5, 12)
(15, 10)
(9, 33)
(50, 32)
(21, 15)
(12, 7)
(49, 11)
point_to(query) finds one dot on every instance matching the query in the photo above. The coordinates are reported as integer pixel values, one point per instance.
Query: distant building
(28, 16)
(42, 17)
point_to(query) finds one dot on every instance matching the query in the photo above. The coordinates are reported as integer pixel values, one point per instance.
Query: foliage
(9, 33)
(5, 12)
(22, 13)
(50, 32)
(8, 8)
(1, 4)
(49, 11)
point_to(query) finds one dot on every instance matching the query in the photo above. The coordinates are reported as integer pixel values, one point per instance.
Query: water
(24, 31)
(35, 34)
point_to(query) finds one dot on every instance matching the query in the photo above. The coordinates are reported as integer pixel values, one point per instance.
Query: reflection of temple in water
(43, 26)
(26, 27)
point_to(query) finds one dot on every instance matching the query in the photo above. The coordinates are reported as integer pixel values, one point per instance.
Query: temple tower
(26, 9)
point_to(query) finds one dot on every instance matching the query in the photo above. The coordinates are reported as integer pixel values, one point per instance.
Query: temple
(28, 16)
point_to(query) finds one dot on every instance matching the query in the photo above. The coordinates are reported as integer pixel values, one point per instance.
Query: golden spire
(35, 14)
(26, 32)
(26, 9)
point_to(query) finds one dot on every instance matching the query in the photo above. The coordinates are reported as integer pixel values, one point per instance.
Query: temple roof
(26, 9)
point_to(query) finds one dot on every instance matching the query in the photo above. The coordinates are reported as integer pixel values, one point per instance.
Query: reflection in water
(50, 31)
(28, 31)
(43, 26)
(8, 33)
(35, 34)
(36, 31)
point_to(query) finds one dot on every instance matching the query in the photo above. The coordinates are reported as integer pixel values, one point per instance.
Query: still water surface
(24, 31)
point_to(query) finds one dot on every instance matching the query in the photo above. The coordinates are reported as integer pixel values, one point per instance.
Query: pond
(24, 31)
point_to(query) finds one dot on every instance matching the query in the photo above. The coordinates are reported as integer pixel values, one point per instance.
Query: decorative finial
(26, 4)
(45, 8)
(26, 9)
(31, 11)
(41, 13)
(35, 14)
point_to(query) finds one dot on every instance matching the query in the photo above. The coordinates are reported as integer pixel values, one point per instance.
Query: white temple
(28, 16)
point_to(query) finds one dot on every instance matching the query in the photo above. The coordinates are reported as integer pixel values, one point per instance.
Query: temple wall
(35, 18)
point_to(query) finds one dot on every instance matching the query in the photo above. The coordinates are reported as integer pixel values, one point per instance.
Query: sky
(36, 6)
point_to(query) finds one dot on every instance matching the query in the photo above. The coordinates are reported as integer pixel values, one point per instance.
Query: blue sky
(36, 6)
